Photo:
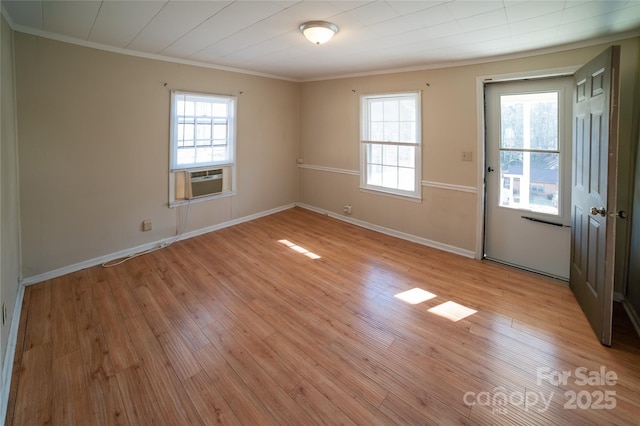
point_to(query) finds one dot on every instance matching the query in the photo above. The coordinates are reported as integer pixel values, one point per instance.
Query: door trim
(481, 131)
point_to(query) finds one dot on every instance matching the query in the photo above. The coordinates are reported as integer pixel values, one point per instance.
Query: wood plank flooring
(293, 319)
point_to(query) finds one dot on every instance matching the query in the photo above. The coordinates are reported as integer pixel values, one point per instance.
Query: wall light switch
(467, 156)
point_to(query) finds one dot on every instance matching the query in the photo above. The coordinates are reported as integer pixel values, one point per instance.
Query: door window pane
(530, 181)
(529, 153)
(529, 121)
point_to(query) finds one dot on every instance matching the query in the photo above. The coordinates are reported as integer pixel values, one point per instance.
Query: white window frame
(231, 129)
(366, 141)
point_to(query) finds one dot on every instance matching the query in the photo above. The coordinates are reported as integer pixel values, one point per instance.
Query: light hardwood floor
(237, 327)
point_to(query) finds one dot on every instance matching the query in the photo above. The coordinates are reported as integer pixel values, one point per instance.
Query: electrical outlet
(147, 225)
(467, 156)
(347, 209)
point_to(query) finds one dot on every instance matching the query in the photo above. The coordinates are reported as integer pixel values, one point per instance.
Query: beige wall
(94, 149)
(329, 138)
(9, 212)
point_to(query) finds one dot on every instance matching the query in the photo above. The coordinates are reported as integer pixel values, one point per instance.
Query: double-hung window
(390, 139)
(202, 130)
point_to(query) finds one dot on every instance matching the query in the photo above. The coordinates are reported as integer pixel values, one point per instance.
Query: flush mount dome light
(318, 32)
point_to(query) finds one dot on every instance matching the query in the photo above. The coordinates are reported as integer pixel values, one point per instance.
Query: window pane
(186, 131)
(220, 110)
(186, 156)
(390, 155)
(375, 153)
(406, 179)
(529, 121)
(390, 177)
(180, 107)
(203, 109)
(204, 131)
(220, 133)
(544, 123)
(376, 132)
(185, 134)
(204, 155)
(408, 110)
(530, 181)
(406, 156)
(220, 153)
(376, 110)
(407, 132)
(189, 108)
(511, 123)
(391, 132)
(374, 174)
(391, 111)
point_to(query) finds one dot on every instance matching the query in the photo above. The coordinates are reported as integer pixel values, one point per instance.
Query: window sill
(178, 203)
(406, 197)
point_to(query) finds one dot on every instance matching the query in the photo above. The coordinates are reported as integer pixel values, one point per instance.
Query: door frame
(481, 140)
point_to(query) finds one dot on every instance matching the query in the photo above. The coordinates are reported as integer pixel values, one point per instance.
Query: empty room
(319, 212)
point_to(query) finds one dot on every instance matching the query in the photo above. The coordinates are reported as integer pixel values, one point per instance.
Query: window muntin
(390, 143)
(202, 130)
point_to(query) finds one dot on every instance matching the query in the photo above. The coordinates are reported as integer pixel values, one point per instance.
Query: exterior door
(528, 177)
(595, 146)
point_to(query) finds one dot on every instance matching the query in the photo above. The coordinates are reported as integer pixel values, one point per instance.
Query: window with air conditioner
(203, 142)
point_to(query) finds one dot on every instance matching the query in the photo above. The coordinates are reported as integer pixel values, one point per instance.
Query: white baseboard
(9, 356)
(392, 232)
(165, 241)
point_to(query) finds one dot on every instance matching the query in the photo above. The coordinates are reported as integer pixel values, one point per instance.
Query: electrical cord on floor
(181, 226)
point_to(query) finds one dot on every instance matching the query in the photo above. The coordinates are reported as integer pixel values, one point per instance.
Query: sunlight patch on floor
(299, 249)
(452, 311)
(415, 296)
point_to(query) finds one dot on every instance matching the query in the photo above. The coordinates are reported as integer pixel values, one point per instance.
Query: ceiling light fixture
(318, 32)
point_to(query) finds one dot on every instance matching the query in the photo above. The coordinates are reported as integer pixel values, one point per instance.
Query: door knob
(595, 211)
(490, 169)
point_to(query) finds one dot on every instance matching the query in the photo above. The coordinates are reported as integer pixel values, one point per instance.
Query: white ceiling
(262, 36)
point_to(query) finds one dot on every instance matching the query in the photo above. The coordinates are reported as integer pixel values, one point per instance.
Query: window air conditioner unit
(204, 182)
